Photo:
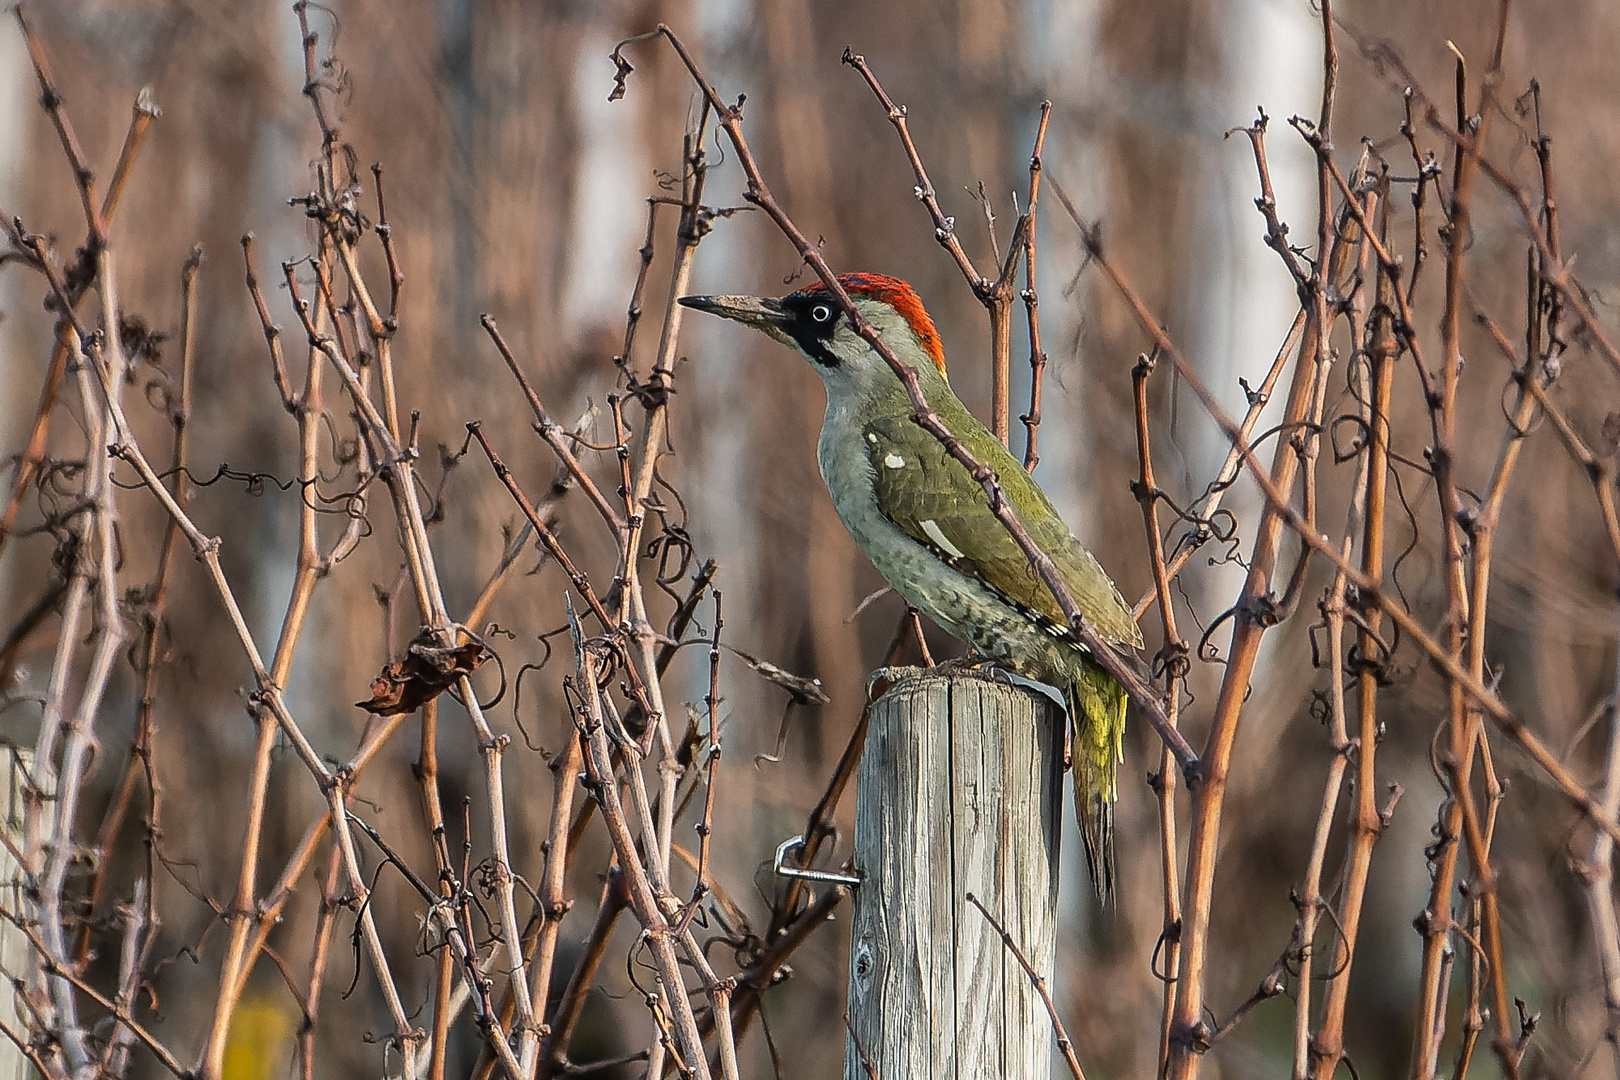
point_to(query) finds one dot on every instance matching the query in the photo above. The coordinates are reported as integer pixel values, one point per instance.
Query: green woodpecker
(927, 527)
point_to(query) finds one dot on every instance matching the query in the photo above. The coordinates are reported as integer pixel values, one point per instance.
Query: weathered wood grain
(958, 792)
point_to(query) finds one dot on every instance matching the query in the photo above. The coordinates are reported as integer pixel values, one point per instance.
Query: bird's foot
(971, 661)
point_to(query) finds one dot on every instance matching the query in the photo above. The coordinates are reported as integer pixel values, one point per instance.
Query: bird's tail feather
(1097, 705)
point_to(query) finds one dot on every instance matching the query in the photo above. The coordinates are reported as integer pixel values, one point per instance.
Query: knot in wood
(1260, 610)
(1427, 925)
(864, 962)
(653, 394)
(1173, 659)
(1196, 1037)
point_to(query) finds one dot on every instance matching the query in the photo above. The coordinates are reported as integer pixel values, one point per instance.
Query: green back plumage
(929, 488)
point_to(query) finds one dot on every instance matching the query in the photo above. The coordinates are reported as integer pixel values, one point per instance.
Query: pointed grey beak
(757, 311)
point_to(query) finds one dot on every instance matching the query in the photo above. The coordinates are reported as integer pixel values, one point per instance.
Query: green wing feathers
(1097, 704)
(930, 496)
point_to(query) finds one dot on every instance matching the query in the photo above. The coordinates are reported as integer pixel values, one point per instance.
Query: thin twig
(1065, 1044)
(1032, 300)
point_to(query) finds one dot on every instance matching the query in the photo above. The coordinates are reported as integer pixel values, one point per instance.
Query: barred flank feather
(1097, 704)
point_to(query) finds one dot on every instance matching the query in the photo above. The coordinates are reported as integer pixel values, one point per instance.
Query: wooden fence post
(959, 792)
(15, 956)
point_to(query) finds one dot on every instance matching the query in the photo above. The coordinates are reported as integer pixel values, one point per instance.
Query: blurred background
(516, 188)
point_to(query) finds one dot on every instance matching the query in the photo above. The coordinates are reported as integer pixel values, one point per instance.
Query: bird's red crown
(904, 299)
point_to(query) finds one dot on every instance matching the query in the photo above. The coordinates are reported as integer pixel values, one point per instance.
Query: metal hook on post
(780, 867)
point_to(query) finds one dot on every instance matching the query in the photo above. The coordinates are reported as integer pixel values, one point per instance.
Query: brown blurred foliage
(515, 188)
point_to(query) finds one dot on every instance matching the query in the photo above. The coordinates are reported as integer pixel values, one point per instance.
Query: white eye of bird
(821, 313)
